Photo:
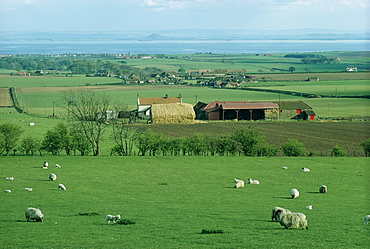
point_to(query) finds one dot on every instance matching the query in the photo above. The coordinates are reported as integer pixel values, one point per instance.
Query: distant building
(351, 68)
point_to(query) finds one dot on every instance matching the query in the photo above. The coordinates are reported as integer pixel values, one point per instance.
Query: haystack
(179, 113)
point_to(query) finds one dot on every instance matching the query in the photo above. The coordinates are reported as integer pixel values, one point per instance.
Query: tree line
(144, 142)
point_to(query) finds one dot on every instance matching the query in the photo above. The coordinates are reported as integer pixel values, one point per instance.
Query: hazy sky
(107, 15)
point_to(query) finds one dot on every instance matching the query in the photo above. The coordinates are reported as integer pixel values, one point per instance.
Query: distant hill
(154, 37)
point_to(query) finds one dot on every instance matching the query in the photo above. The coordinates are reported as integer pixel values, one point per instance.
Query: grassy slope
(173, 199)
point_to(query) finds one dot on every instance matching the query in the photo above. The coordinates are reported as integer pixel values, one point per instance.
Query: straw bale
(178, 113)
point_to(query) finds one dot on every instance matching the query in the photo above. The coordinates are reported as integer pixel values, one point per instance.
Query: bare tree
(89, 112)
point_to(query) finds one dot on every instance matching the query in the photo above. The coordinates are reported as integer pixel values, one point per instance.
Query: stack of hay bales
(178, 113)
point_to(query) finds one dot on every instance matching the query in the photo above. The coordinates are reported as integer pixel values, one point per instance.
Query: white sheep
(10, 178)
(323, 189)
(292, 220)
(305, 170)
(309, 207)
(28, 189)
(294, 193)
(239, 183)
(62, 187)
(57, 166)
(250, 181)
(274, 212)
(8, 191)
(284, 167)
(34, 214)
(112, 218)
(366, 219)
(52, 177)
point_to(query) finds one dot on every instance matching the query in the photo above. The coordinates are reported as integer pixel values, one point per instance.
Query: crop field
(171, 200)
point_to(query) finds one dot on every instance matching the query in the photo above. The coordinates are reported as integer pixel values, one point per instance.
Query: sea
(136, 47)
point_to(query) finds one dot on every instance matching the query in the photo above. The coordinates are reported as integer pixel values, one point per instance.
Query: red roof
(227, 105)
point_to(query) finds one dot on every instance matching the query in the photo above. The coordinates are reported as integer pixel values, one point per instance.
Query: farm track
(317, 137)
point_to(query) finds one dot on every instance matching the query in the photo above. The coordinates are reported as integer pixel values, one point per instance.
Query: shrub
(293, 148)
(366, 146)
(338, 151)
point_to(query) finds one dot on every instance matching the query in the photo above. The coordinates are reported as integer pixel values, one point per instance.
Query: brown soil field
(5, 100)
(317, 137)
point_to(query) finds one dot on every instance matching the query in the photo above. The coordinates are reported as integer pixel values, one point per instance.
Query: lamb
(305, 170)
(10, 178)
(45, 165)
(8, 191)
(323, 189)
(238, 183)
(250, 181)
(284, 167)
(62, 187)
(274, 212)
(52, 177)
(294, 193)
(57, 166)
(366, 219)
(34, 214)
(292, 220)
(309, 207)
(112, 218)
(28, 189)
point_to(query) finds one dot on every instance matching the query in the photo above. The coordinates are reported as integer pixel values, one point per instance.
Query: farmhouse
(295, 110)
(236, 110)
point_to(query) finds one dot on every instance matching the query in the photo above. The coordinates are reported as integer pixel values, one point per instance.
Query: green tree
(9, 136)
(293, 148)
(366, 147)
(56, 139)
(29, 146)
(338, 151)
(249, 140)
(148, 141)
(292, 69)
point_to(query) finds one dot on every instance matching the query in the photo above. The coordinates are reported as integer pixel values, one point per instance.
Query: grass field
(171, 200)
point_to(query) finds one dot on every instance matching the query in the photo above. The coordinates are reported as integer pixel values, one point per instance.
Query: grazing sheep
(112, 218)
(45, 165)
(250, 181)
(8, 191)
(10, 178)
(34, 214)
(284, 167)
(366, 219)
(28, 189)
(52, 177)
(57, 166)
(62, 187)
(274, 212)
(309, 207)
(294, 193)
(239, 183)
(323, 189)
(305, 170)
(292, 220)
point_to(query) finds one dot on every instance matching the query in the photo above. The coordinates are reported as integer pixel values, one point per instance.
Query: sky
(125, 15)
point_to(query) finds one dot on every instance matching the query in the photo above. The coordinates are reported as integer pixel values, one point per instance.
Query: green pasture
(55, 81)
(42, 103)
(252, 63)
(333, 88)
(171, 200)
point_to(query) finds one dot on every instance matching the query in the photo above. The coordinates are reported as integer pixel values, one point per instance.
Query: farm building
(165, 110)
(295, 110)
(144, 104)
(236, 110)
